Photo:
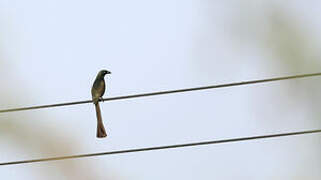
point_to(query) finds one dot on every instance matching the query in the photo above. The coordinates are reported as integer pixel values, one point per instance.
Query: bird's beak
(108, 72)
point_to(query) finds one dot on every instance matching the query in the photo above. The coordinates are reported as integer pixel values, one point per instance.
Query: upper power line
(166, 92)
(162, 147)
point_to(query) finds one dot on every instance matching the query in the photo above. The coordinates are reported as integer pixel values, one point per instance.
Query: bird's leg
(101, 99)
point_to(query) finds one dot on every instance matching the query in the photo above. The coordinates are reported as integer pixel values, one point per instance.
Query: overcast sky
(51, 52)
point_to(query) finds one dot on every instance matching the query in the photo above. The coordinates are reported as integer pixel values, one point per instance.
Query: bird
(97, 92)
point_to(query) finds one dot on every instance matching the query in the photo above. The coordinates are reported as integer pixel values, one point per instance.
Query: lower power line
(162, 147)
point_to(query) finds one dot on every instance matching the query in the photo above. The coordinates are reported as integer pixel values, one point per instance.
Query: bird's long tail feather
(101, 133)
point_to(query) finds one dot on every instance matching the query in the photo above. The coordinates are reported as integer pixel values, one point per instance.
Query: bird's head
(104, 72)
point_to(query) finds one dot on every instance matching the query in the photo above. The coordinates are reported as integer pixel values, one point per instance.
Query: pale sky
(51, 52)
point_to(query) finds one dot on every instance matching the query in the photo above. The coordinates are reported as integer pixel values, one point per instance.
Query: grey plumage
(97, 91)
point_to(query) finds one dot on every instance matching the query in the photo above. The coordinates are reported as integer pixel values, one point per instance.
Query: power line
(164, 92)
(161, 147)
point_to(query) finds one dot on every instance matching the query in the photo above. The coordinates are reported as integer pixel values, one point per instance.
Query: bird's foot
(101, 99)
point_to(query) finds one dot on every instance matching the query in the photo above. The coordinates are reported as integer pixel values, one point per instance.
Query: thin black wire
(164, 92)
(161, 147)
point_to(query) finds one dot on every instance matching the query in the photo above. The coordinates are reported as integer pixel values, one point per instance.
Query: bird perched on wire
(97, 92)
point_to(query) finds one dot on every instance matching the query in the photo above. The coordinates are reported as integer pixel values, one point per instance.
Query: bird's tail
(101, 133)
